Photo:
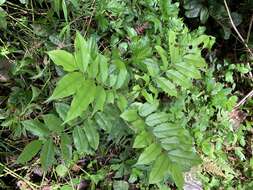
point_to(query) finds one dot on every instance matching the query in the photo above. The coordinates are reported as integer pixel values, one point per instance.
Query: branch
(238, 33)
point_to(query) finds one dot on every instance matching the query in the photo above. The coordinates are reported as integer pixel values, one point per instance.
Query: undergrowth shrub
(151, 83)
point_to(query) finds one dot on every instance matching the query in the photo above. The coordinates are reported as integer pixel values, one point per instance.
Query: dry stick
(15, 175)
(249, 95)
(249, 30)
(93, 12)
(247, 40)
(238, 33)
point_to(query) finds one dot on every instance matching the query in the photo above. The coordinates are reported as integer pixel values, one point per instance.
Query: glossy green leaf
(85, 95)
(122, 102)
(177, 174)
(166, 85)
(159, 169)
(47, 154)
(179, 156)
(36, 128)
(103, 121)
(66, 147)
(130, 115)
(100, 99)
(166, 130)
(179, 79)
(53, 123)
(91, 134)
(157, 118)
(121, 78)
(80, 140)
(103, 68)
(138, 125)
(93, 68)
(67, 86)
(64, 59)
(62, 110)
(142, 140)
(29, 151)
(149, 154)
(152, 66)
(82, 53)
(146, 109)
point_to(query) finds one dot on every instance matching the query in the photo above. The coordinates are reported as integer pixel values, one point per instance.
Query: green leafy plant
(91, 78)
(137, 102)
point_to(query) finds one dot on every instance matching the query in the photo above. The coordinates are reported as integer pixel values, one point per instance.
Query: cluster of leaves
(135, 77)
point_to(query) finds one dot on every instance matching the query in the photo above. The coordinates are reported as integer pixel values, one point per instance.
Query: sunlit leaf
(99, 99)
(177, 174)
(142, 140)
(130, 115)
(150, 154)
(67, 86)
(159, 169)
(82, 53)
(103, 68)
(85, 95)
(64, 59)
